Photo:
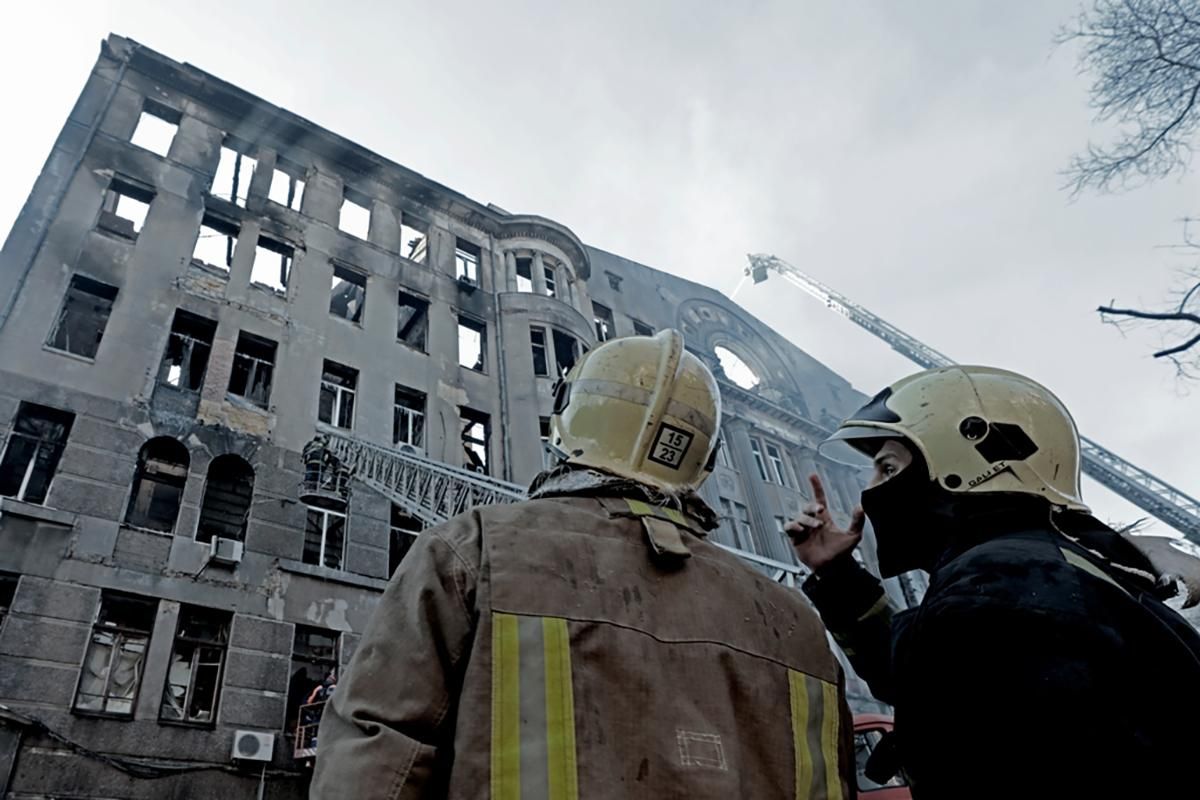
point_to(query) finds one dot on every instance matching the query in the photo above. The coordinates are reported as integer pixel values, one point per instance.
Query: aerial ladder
(434, 491)
(1153, 495)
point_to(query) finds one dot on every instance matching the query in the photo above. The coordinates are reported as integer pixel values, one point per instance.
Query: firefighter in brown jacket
(590, 642)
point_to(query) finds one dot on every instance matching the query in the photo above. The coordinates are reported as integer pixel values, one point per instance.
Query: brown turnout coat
(536, 650)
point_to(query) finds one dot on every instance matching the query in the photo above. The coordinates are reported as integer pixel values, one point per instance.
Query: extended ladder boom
(1151, 494)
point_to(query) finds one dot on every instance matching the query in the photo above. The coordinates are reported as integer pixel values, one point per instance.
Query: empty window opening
(215, 242)
(338, 386)
(83, 317)
(35, 445)
(642, 329)
(775, 459)
(253, 367)
(746, 538)
(549, 456)
(158, 485)
(472, 344)
(8, 590)
(347, 293)
(566, 351)
(234, 171)
(156, 128)
(314, 658)
(476, 431)
(614, 281)
(325, 538)
(286, 189)
(188, 347)
(524, 274)
(228, 492)
(408, 418)
(354, 219)
(272, 263)
(551, 275)
(404, 529)
(541, 361)
(756, 449)
(125, 207)
(197, 661)
(112, 669)
(412, 321)
(466, 262)
(723, 454)
(735, 368)
(414, 239)
(603, 317)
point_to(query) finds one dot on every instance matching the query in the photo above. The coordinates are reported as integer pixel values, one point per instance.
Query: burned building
(199, 288)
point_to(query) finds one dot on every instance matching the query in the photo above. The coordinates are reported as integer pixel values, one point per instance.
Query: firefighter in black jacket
(1041, 661)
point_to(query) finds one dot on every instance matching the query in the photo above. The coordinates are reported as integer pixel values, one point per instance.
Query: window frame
(776, 461)
(122, 633)
(468, 259)
(413, 417)
(339, 391)
(187, 351)
(256, 363)
(355, 277)
(759, 461)
(480, 327)
(199, 646)
(67, 422)
(98, 290)
(534, 346)
(419, 318)
(326, 514)
(470, 416)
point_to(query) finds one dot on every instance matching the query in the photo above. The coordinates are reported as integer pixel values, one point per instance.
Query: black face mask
(911, 519)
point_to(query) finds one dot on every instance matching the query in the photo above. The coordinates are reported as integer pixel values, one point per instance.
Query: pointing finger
(818, 488)
(857, 521)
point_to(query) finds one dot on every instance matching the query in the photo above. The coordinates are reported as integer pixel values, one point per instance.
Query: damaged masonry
(204, 484)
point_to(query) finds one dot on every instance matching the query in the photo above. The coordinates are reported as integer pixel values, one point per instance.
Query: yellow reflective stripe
(1076, 560)
(799, 696)
(560, 712)
(506, 708)
(880, 605)
(829, 740)
(641, 508)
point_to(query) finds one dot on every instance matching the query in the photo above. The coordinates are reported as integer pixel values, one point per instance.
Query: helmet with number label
(641, 407)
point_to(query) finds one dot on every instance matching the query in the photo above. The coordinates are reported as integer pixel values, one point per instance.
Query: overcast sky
(906, 154)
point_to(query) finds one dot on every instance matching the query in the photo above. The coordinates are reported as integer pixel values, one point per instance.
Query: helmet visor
(856, 445)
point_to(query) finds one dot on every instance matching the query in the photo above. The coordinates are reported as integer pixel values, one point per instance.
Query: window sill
(325, 427)
(19, 508)
(245, 403)
(79, 712)
(334, 575)
(196, 726)
(155, 531)
(414, 348)
(271, 290)
(345, 321)
(69, 354)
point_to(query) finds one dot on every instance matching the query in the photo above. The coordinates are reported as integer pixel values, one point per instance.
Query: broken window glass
(156, 128)
(537, 340)
(642, 329)
(126, 204)
(551, 283)
(194, 676)
(286, 189)
(112, 669)
(476, 432)
(83, 317)
(408, 417)
(603, 317)
(215, 242)
(472, 343)
(404, 529)
(188, 347)
(325, 538)
(272, 263)
(336, 404)
(414, 239)
(225, 510)
(566, 351)
(524, 274)
(413, 320)
(232, 180)
(354, 219)
(36, 443)
(347, 293)
(158, 485)
(466, 262)
(253, 367)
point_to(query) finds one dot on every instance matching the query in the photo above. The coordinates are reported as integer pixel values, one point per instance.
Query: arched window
(227, 495)
(735, 368)
(158, 484)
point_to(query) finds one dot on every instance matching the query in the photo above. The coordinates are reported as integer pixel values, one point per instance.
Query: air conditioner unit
(225, 551)
(253, 745)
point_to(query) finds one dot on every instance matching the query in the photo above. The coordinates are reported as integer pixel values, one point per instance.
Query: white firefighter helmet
(979, 429)
(641, 407)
